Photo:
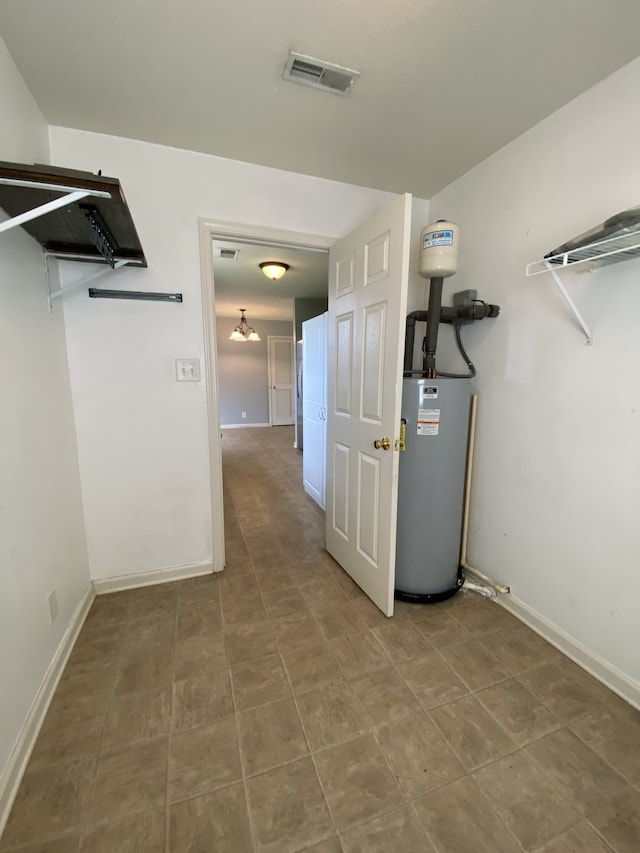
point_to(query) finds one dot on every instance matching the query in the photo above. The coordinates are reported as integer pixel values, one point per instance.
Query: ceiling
(444, 83)
(240, 283)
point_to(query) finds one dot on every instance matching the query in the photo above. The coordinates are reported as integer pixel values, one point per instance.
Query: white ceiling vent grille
(227, 254)
(319, 74)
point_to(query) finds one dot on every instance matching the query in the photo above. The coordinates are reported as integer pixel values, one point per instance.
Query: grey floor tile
(432, 680)
(473, 664)
(142, 832)
(615, 736)
(579, 839)
(259, 681)
(330, 714)
(383, 697)
(201, 700)
(518, 711)
(617, 820)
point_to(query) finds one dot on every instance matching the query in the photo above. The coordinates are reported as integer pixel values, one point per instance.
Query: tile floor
(273, 708)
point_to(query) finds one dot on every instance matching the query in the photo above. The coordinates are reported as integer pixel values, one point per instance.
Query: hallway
(274, 708)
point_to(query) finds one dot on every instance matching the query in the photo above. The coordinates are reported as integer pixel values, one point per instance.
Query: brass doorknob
(384, 443)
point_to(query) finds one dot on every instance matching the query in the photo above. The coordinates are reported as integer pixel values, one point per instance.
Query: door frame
(289, 340)
(209, 230)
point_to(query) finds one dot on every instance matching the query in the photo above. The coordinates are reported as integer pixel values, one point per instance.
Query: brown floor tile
(480, 616)
(156, 630)
(199, 590)
(358, 654)
(525, 800)
(459, 820)
(270, 735)
(299, 630)
(432, 680)
(575, 770)
(437, 626)
(155, 601)
(618, 821)
(200, 656)
(330, 714)
(417, 754)
(288, 808)
(145, 669)
(110, 609)
(51, 802)
(579, 839)
(400, 831)
(203, 759)
(383, 697)
(201, 700)
(310, 666)
(62, 739)
(68, 844)
(135, 833)
(471, 732)
(137, 716)
(258, 682)
(114, 794)
(200, 620)
(357, 781)
(286, 602)
(566, 690)
(473, 664)
(402, 641)
(81, 690)
(98, 648)
(218, 821)
(250, 641)
(519, 713)
(613, 735)
(244, 609)
(520, 649)
(319, 593)
(338, 620)
(331, 845)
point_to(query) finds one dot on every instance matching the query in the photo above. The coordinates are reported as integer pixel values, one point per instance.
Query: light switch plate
(187, 370)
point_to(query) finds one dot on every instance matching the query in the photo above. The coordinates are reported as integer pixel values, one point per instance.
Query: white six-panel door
(280, 380)
(368, 281)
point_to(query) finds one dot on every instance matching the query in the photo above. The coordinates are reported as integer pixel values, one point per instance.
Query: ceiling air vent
(227, 254)
(319, 74)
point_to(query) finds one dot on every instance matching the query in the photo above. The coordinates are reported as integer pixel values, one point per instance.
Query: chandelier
(243, 331)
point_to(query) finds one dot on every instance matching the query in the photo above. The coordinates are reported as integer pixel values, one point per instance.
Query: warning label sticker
(428, 421)
(429, 392)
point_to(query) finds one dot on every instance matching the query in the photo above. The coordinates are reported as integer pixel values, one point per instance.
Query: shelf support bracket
(63, 291)
(572, 305)
(35, 212)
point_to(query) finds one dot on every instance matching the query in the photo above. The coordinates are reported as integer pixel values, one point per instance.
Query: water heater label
(437, 238)
(429, 392)
(428, 421)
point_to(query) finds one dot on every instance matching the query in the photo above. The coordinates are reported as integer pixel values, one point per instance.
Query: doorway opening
(231, 279)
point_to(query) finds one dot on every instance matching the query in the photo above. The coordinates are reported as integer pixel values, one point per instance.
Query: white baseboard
(241, 426)
(13, 771)
(171, 573)
(611, 677)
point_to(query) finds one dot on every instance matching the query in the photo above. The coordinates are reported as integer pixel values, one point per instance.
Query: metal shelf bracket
(572, 305)
(52, 295)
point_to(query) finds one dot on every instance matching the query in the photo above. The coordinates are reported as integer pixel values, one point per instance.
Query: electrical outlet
(52, 598)
(244, 414)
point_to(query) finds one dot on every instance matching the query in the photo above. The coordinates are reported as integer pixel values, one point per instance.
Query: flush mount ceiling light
(243, 331)
(274, 269)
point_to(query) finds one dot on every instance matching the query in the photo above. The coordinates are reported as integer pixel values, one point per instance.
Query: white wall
(556, 497)
(243, 372)
(42, 544)
(141, 436)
